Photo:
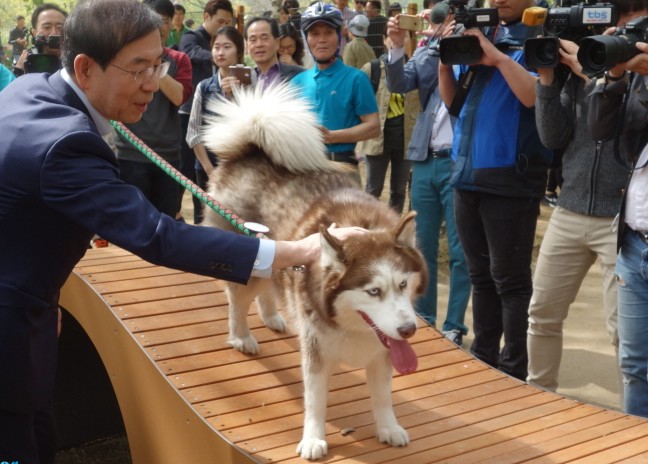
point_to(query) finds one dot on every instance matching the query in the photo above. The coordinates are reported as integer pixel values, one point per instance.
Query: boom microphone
(439, 13)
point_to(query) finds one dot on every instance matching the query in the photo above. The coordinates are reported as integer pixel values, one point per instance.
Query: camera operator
(47, 20)
(579, 230)
(499, 176)
(619, 112)
(18, 37)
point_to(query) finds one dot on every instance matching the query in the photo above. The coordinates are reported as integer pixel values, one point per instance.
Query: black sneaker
(454, 335)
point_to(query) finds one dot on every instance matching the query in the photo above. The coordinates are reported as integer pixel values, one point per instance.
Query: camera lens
(602, 52)
(541, 52)
(460, 50)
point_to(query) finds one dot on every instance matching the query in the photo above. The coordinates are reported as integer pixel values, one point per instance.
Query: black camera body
(460, 49)
(568, 17)
(600, 53)
(470, 16)
(52, 41)
(41, 61)
(570, 22)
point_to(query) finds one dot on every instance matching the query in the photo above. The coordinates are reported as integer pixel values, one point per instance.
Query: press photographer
(499, 177)
(579, 231)
(47, 23)
(619, 113)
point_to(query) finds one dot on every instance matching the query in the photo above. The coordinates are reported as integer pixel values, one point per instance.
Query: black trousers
(497, 235)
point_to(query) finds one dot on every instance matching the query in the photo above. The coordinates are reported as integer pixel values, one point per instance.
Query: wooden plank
(186, 340)
(161, 280)
(528, 434)
(289, 376)
(626, 452)
(158, 294)
(540, 451)
(351, 408)
(457, 376)
(595, 446)
(240, 368)
(216, 301)
(427, 428)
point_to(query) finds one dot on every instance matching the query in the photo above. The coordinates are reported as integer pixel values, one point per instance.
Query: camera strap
(466, 81)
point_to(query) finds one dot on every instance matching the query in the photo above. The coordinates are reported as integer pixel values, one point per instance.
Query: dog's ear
(406, 231)
(332, 255)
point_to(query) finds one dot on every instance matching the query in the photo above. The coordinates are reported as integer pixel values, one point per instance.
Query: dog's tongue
(402, 356)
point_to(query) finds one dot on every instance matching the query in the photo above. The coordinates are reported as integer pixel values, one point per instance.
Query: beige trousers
(570, 246)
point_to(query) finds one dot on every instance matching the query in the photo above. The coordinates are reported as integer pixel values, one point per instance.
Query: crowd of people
(474, 144)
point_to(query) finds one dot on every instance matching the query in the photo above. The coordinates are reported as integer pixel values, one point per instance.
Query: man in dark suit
(58, 177)
(262, 37)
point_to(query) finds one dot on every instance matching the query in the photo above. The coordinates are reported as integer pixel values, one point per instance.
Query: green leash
(248, 228)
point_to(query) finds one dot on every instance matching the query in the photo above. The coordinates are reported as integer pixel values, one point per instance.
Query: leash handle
(190, 186)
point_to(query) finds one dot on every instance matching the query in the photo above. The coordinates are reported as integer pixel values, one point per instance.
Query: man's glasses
(145, 75)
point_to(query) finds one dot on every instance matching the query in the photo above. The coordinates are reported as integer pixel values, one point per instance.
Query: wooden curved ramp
(186, 396)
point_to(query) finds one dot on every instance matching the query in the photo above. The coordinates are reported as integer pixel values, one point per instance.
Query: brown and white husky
(356, 306)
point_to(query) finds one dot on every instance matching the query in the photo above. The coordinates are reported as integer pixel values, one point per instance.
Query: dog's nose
(407, 330)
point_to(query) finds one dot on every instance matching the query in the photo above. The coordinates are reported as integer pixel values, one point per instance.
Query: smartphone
(410, 22)
(242, 73)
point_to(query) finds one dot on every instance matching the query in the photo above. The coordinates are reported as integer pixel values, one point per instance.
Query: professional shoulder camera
(600, 53)
(460, 49)
(41, 61)
(571, 22)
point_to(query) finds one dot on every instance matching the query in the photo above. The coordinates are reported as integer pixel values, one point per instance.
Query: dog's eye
(374, 291)
(403, 285)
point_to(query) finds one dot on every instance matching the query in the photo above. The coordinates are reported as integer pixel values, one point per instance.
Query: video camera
(460, 49)
(600, 53)
(41, 61)
(570, 22)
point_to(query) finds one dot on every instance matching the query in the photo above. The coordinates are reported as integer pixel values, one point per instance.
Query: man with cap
(358, 52)
(342, 96)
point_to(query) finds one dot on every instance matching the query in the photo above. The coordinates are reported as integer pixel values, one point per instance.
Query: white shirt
(636, 205)
(442, 134)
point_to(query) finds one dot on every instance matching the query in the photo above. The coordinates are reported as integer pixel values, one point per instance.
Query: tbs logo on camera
(597, 16)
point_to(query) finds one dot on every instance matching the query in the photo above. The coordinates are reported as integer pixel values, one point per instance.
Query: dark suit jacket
(58, 186)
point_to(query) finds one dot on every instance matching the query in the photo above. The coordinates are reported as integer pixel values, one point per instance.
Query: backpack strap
(375, 74)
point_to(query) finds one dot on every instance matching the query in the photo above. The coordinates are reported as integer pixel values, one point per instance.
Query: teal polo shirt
(340, 94)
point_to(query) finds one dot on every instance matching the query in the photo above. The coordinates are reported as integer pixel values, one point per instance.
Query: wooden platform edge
(169, 434)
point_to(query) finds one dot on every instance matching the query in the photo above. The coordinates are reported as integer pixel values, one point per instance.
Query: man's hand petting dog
(307, 250)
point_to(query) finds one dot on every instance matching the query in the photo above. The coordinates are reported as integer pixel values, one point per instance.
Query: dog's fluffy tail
(274, 119)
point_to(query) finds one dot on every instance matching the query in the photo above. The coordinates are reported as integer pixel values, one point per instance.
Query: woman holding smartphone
(227, 50)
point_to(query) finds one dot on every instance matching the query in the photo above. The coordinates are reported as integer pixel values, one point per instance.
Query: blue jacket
(496, 146)
(59, 184)
(420, 72)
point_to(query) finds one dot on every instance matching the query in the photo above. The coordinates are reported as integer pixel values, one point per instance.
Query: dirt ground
(587, 372)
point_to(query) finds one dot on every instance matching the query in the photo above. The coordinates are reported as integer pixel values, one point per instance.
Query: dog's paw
(394, 435)
(312, 448)
(276, 323)
(247, 345)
